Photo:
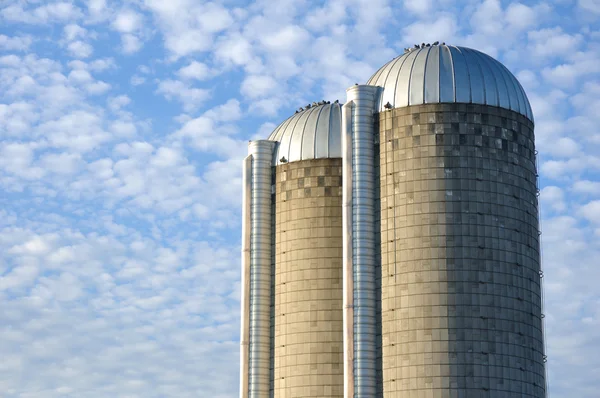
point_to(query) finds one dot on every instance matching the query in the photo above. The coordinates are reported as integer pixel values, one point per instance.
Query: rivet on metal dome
(311, 133)
(447, 74)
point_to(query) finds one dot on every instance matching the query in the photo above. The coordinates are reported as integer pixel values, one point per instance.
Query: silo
(461, 293)
(308, 244)
(306, 354)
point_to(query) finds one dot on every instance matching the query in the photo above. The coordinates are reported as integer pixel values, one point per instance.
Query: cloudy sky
(122, 128)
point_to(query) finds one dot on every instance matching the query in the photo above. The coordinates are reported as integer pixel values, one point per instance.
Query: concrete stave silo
(461, 291)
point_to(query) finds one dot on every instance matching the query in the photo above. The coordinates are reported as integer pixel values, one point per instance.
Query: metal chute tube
(347, 251)
(245, 277)
(260, 269)
(363, 100)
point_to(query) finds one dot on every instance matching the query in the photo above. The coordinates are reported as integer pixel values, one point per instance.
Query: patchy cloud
(122, 130)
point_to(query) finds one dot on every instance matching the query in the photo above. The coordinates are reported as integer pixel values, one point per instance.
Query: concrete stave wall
(461, 299)
(308, 280)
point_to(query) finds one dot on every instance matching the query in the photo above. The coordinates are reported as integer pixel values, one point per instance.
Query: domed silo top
(449, 74)
(312, 133)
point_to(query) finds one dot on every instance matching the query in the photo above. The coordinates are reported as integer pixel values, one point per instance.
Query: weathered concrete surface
(461, 299)
(308, 280)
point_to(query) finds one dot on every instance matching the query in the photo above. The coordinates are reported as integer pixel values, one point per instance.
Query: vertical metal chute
(347, 268)
(359, 240)
(245, 279)
(259, 334)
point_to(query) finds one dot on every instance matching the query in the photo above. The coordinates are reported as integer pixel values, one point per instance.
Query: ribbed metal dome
(442, 74)
(310, 134)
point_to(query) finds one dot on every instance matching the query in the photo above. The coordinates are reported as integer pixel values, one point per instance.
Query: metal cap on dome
(312, 133)
(433, 74)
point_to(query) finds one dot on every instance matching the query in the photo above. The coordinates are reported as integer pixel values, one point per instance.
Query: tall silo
(305, 225)
(461, 292)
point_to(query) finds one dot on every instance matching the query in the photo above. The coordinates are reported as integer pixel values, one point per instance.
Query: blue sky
(122, 129)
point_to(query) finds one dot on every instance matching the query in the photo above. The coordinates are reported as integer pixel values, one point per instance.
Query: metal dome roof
(313, 133)
(442, 74)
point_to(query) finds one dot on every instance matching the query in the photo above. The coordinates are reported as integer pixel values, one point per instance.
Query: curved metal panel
(283, 150)
(527, 104)
(504, 100)
(489, 80)
(475, 77)
(515, 96)
(417, 78)
(390, 79)
(295, 152)
(432, 76)
(462, 77)
(402, 88)
(309, 134)
(335, 136)
(276, 136)
(374, 80)
(323, 130)
(529, 111)
(446, 75)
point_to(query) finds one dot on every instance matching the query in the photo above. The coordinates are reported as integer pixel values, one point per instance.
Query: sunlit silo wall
(308, 279)
(461, 300)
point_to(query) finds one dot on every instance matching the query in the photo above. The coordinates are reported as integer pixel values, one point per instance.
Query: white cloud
(96, 7)
(289, 39)
(587, 187)
(190, 97)
(255, 86)
(18, 43)
(79, 131)
(189, 27)
(137, 80)
(227, 112)
(330, 16)
(237, 50)
(17, 159)
(116, 103)
(590, 5)
(195, 70)
(554, 197)
(419, 7)
(444, 27)
(571, 168)
(131, 43)
(97, 65)
(591, 211)
(127, 21)
(73, 31)
(62, 163)
(488, 18)
(564, 147)
(214, 18)
(49, 13)
(528, 79)
(521, 16)
(553, 42)
(18, 277)
(80, 49)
